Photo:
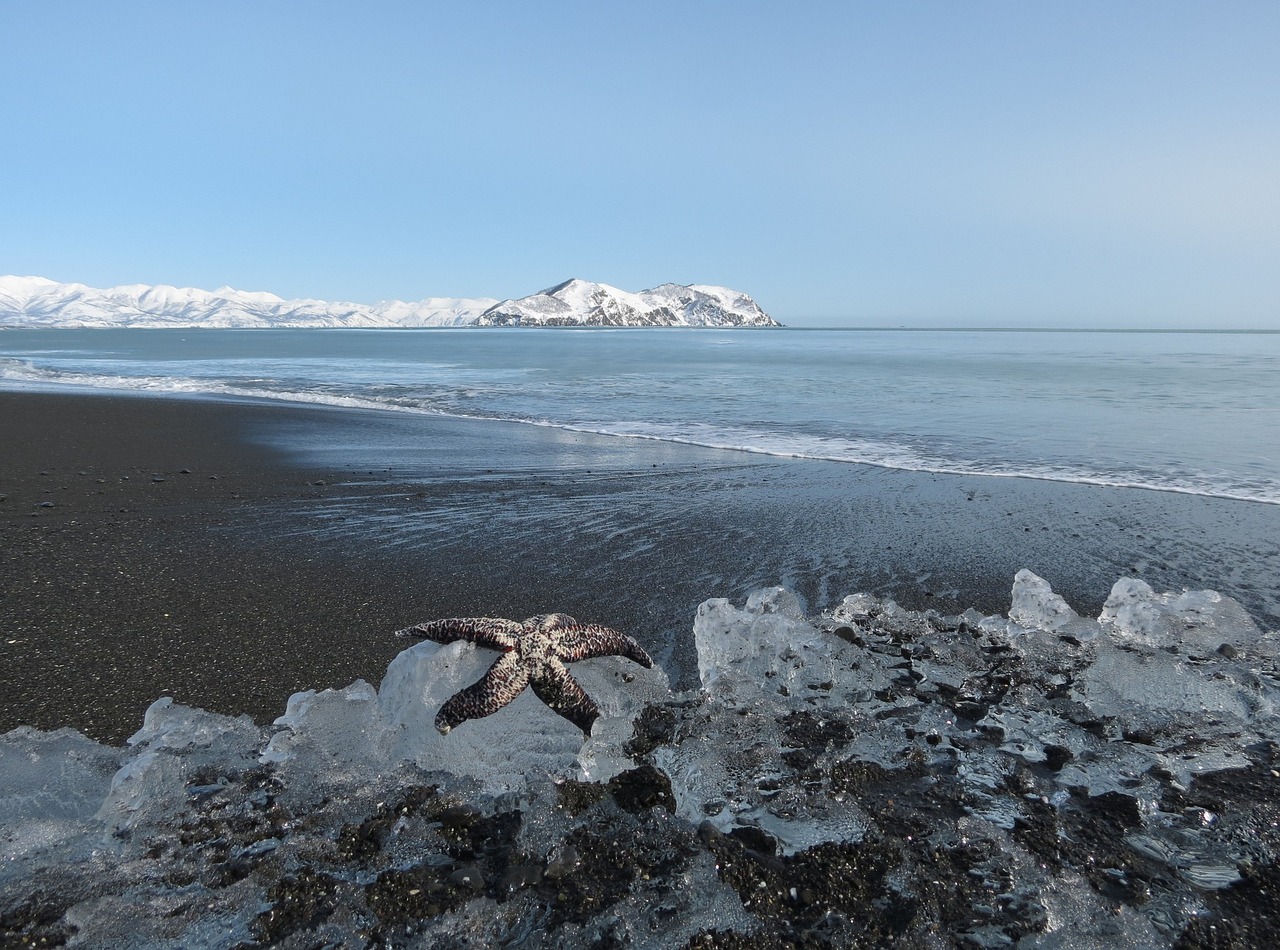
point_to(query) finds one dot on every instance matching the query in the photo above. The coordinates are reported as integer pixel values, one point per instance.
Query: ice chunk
(1137, 686)
(52, 775)
(1036, 607)
(147, 790)
(767, 668)
(343, 736)
(1178, 849)
(331, 737)
(526, 737)
(51, 787)
(153, 917)
(621, 689)
(856, 607)
(175, 746)
(172, 726)
(765, 646)
(1200, 620)
(498, 750)
(776, 600)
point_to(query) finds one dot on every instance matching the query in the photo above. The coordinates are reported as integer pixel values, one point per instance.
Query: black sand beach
(231, 553)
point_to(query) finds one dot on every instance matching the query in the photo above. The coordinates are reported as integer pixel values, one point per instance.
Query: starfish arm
(489, 632)
(585, 641)
(560, 691)
(504, 681)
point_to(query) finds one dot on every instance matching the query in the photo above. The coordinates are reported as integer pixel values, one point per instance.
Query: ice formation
(868, 775)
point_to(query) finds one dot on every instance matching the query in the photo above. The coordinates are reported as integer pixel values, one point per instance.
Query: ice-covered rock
(871, 774)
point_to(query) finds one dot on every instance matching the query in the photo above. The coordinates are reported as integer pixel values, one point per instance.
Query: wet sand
(230, 553)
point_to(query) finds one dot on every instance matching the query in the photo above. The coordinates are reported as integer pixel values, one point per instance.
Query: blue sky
(847, 163)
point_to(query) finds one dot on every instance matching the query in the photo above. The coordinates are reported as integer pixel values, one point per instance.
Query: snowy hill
(36, 302)
(579, 303)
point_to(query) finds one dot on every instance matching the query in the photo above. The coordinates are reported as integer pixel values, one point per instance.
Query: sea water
(1186, 412)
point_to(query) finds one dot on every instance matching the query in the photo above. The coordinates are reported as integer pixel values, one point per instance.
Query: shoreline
(231, 552)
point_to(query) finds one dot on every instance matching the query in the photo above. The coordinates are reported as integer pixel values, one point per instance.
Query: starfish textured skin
(534, 653)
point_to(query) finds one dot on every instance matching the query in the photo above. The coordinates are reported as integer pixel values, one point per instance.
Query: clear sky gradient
(847, 163)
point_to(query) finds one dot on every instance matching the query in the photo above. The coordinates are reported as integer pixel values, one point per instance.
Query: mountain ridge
(38, 302)
(576, 302)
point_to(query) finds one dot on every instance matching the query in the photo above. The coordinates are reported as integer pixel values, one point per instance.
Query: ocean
(1172, 411)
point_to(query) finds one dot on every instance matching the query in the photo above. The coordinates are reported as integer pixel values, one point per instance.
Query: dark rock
(1056, 756)
(654, 726)
(641, 789)
(757, 839)
(849, 635)
(565, 864)
(804, 730)
(1246, 914)
(38, 920)
(299, 902)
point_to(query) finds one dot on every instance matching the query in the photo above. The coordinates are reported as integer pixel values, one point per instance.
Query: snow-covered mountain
(581, 303)
(37, 302)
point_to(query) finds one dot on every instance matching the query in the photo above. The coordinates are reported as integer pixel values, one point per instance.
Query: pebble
(467, 876)
(519, 876)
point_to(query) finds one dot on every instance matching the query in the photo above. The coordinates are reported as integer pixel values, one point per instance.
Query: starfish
(534, 653)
